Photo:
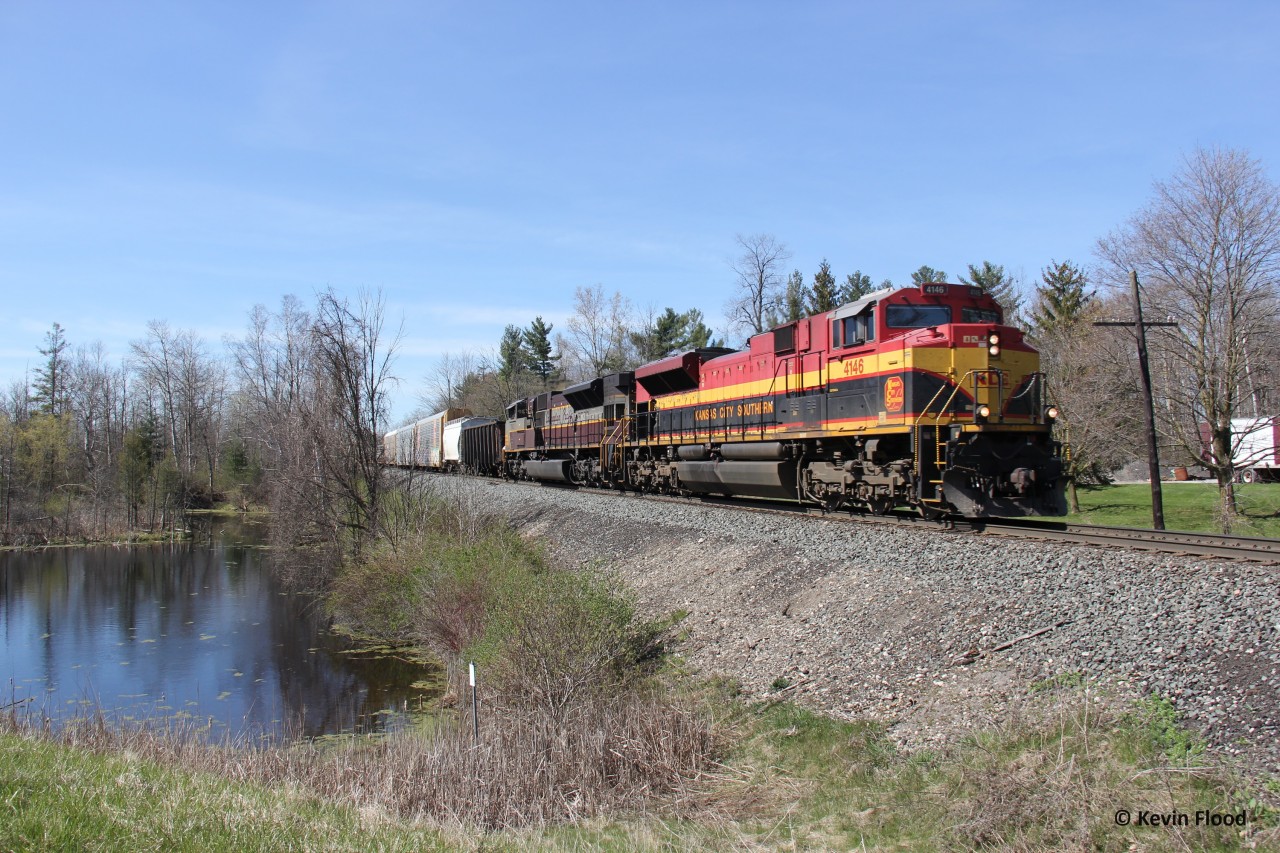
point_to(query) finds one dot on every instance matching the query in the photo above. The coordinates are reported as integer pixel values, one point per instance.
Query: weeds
(1155, 721)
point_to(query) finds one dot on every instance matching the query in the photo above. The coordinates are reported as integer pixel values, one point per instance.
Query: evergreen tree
(793, 300)
(856, 285)
(664, 336)
(50, 390)
(991, 278)
(537, 341)
(927, 274)
(696, 333)
(513, 356)
(823, 296)
(1062, 298)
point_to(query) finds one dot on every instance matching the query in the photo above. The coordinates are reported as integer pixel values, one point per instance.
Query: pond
(198, 632)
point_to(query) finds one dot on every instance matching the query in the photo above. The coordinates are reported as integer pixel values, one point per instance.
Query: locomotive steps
(937, 632)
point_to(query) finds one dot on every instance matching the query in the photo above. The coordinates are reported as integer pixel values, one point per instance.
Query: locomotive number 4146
(855, 367)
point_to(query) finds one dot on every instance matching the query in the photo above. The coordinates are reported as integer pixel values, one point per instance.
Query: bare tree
(313, 387)
(596, 334)
(1093, 381)
(1207, 251)
(448, 379)
(191, 386)
(353, 357)
(94, 388)
(759, 273)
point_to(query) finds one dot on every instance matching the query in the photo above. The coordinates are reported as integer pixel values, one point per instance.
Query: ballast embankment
(937, 632)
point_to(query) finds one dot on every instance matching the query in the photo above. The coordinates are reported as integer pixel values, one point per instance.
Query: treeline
(91, 450)
(605, 334)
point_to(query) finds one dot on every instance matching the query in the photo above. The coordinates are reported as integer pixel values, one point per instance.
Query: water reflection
(191, 631)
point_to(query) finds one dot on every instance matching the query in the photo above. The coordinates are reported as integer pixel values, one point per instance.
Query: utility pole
(1148, 405)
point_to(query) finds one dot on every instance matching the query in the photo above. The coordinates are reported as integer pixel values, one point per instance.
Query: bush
(554, 639)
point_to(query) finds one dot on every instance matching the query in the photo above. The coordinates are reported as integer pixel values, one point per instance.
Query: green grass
(54, 797)
(1052, 781)
(1187, 506)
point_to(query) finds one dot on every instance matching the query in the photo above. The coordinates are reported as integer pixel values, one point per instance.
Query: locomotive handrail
(1037, 383)
(615, 438)
(936, 395)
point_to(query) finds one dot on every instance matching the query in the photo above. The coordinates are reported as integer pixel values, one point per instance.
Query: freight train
(915, 398)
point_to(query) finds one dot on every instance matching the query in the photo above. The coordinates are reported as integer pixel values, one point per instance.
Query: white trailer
(1255, 448)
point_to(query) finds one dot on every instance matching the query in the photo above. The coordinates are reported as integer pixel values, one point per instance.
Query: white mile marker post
(475, 717)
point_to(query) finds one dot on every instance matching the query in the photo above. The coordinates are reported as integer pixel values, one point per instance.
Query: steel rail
(1141, 538)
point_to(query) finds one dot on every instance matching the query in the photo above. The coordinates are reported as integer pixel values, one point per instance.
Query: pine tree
(793, 301)
(1062, 298)
(927, 274)
(1002, 288)
(822, 297)
(50, 390)
(663, 336)
(696, 332)
(856, 285)
(513, 356)
(537, 341)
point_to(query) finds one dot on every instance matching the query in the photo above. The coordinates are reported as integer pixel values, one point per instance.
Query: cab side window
(859, 329)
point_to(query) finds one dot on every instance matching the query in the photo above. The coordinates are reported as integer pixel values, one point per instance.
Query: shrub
(556, 638)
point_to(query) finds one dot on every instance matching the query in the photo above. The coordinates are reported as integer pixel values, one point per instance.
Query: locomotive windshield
(917, 316)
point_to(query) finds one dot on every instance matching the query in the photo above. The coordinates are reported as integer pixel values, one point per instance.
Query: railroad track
(1166, 541)
(1137, 538)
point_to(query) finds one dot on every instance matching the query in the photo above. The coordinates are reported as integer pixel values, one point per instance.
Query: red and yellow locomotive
(916, 397)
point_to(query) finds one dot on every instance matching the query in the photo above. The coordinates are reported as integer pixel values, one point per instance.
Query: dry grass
(623, 756)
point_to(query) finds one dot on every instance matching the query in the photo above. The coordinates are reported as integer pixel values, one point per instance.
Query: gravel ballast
(934, 631)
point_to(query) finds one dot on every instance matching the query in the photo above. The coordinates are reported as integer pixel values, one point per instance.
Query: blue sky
(478, 161)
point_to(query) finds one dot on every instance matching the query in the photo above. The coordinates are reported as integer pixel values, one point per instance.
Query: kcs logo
(894, 394)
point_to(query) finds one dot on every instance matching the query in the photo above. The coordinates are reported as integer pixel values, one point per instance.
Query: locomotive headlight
(993, 339)
(994, 349)
(982, 412)
(1051, 413)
